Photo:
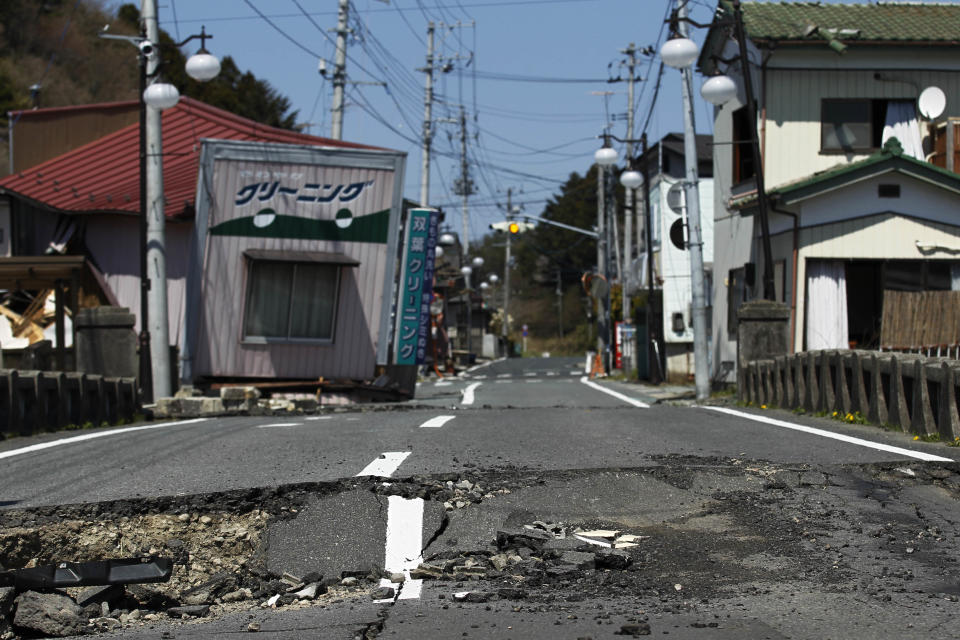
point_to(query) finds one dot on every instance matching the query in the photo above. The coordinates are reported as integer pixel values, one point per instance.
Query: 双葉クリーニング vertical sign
(415, 287)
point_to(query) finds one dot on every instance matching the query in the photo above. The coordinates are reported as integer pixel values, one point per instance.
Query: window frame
(877, 115)
(295, 260)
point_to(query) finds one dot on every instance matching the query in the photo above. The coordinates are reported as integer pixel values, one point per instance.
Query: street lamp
(155, 96)
(717, 90)
(466, 270)
(605, 157)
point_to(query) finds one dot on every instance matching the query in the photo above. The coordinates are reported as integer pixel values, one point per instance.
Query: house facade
(667, 170)
(851, 212)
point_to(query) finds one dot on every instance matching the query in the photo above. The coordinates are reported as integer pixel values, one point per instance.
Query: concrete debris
(105, 624)
(52, 614)
(634, 630)
(253, 627)
(599, 533)
(189, 611)
(383, 593)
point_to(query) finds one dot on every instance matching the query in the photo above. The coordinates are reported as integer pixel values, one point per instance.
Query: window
(291, 300)
(742, 147)
(848, 125)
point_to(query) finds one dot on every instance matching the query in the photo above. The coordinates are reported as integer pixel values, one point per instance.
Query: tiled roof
(104, 175)
(890, 157)
(884, 22)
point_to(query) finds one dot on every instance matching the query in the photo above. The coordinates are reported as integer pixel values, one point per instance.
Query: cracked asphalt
(483, 517)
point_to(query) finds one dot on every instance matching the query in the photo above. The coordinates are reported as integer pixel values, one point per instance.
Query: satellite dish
(675, 197)
(931, 103)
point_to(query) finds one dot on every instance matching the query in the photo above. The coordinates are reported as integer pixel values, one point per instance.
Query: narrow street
(518, 500)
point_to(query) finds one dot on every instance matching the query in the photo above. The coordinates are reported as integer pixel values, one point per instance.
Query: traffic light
(512, 226)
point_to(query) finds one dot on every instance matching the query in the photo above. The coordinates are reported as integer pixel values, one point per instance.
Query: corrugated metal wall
(793, 112)
(221, 350)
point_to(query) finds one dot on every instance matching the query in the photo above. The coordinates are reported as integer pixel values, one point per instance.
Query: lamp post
(680, 52)
(605, 157)
(466, 270)
(156, 95)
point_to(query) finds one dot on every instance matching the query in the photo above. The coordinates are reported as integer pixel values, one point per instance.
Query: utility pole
(156, 250)
(652, 354)
(427, 121)
(603, 310)
(692, 196)
(339, 71)
(559, 304)
(505, 325)
(465, 185)
(629, 203)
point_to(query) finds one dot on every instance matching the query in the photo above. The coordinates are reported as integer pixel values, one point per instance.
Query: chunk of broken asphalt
(382, 593)
(52, 614)
(533, 539)
(634, 630)
(189, 611)
(612, 559)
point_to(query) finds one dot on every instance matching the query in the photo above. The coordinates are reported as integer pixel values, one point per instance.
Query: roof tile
(104, 175)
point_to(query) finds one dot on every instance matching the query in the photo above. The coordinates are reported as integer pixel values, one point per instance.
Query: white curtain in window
(827, 305)
(902, 124)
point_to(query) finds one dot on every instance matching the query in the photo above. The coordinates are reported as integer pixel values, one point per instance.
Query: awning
(323, 257)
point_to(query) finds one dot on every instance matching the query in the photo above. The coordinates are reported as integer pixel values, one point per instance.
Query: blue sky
(524, 135)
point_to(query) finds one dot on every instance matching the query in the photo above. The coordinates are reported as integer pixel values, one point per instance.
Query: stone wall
(914, 393)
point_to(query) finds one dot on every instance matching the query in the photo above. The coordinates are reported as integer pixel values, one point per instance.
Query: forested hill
(51, 55)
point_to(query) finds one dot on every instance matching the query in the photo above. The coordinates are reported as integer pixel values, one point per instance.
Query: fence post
(858, 390)
(922, 419)
(878, 406)
(841, 392)
(825, 401)
(949, 424)
(799, 386)
(898, 399)
(9, 416)
(779, 381)
(812, 391)
(766, 377)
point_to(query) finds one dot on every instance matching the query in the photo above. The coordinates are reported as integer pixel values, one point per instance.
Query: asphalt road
(766, 521)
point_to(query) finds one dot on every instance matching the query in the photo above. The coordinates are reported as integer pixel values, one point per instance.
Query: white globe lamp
(631, 179)
(679, 53)
(477, 262)
(202, 66)
(161, 95)
(719, 90)
(605, 156)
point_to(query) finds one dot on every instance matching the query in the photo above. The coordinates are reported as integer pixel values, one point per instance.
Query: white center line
(312, 418)
(385, 465)
(280, 424)
(533, 381)
(468, 393)
(504, 375)
(615, 394)
(502, 381)
(836, 436)
(404, 547)
(442, 383)
(92, 436)
(530, 374)
(436, 421)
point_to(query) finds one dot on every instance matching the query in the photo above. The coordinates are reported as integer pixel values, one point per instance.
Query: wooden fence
(915, 393)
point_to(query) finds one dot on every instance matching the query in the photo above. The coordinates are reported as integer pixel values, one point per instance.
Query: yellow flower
(916, 437)
(834, 414)
(763, 406)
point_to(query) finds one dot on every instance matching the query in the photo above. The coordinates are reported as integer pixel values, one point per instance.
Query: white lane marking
(502, 381)
(551, 373)
(533, 381)
(504, 375)
(480, 377)
(468, 393)
(484, 364)
(404, 548)
(615, 394)
(280, 424)
(836, 436)
(92, 436)
(385, 465)
(436, 421)
(530, 374)
(442, 383)
(312, 418)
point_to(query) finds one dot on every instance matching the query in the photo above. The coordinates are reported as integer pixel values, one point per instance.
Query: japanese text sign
(416, 286)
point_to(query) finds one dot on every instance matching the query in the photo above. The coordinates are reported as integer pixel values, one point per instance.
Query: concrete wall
(36, 401)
